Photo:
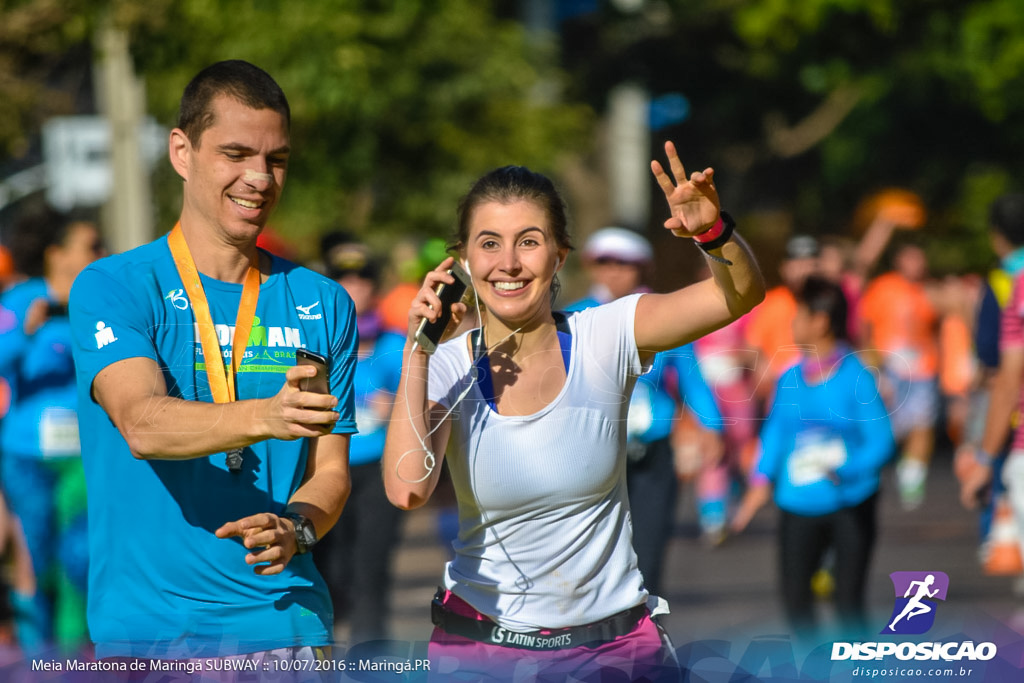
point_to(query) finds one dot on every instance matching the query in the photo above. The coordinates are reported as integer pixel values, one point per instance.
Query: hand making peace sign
(693, 203)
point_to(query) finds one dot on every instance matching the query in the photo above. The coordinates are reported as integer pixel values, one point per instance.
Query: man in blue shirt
(207, 484)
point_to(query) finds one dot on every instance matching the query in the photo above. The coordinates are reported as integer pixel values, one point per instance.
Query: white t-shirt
(545, 535)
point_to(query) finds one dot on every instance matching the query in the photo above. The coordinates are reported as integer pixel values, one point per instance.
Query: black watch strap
(305, 534)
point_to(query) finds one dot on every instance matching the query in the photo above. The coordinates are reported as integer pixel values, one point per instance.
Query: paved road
(726, 596)
(729, 592)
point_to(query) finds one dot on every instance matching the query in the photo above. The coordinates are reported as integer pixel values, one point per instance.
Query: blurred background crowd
(871, 144)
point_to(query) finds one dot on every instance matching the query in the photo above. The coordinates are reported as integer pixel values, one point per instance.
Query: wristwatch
(305, 534)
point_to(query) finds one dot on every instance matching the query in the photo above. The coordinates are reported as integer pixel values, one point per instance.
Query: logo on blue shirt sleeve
(104, 335)
(306, 312)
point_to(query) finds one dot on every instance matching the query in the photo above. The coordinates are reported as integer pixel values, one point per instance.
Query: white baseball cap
(619, 244)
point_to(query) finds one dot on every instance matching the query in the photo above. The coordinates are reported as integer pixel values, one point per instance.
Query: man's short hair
(245, 82)
(1006, 216)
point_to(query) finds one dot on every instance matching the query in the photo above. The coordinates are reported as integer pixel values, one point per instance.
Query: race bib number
(58, 433)
(813, 460)
(367, 421)
(373, 412)
(641, 411)
(904, 362)
(721, 368)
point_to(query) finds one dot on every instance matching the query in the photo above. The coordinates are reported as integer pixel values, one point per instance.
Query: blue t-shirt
(41, 373)
(674, 377)
(160, 583)
(376, 382)
(839, 425)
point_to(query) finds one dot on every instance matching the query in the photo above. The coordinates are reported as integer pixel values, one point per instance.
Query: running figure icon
(915, 606)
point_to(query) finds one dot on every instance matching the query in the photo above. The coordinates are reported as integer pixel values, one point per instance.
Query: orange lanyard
(222, 383)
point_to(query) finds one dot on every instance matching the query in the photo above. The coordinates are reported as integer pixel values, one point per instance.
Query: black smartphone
(428, 334)
(318, 383)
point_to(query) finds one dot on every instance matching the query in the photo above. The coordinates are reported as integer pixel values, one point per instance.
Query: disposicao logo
(913, 613)
(916, 593)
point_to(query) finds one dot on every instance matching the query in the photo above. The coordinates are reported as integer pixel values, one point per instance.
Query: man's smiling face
(235, 174)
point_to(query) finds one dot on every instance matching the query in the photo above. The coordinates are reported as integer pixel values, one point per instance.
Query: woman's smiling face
(513, 258)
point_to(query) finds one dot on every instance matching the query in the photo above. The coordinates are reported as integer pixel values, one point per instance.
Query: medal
(233, 459)
(222, 379)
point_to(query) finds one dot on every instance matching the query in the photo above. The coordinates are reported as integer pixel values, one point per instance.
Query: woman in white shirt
(531, 409)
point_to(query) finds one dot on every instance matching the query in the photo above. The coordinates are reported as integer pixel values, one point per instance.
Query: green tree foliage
(807, 105)
(397, 106)
(37, 39)
(813, 104)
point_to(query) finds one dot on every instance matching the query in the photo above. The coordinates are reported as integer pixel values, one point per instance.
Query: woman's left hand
(692, 202)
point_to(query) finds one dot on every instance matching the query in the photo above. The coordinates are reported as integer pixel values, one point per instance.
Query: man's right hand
(157, 426)
(294, 414)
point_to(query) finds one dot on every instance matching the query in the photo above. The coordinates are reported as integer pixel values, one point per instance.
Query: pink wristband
(712, 234)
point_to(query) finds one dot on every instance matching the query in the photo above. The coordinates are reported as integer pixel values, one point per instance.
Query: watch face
(305, 535)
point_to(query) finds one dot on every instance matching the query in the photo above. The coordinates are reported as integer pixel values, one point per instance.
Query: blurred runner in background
(42, 466)
(899, 333)
(823, 447)
(355, 557)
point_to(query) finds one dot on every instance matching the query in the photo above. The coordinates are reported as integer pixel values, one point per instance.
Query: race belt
(486, 631)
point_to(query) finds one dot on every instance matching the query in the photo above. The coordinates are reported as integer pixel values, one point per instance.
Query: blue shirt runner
(161, 584)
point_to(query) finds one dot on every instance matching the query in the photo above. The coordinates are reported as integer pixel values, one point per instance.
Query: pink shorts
(645, 653)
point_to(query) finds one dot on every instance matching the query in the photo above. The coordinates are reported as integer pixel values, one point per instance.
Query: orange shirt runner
(901, 326)
(770, 331)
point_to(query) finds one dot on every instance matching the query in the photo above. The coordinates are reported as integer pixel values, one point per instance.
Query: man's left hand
(270, 538)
